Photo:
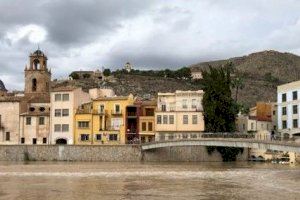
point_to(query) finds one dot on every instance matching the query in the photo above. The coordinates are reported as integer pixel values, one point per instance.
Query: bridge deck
(228, 142)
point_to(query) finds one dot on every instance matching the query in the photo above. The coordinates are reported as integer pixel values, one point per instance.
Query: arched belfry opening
(36, 64)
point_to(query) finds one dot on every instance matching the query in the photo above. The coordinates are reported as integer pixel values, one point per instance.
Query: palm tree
(238, 84)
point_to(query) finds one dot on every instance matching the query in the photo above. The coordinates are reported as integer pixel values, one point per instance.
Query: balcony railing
(99, 112)
(116, 112)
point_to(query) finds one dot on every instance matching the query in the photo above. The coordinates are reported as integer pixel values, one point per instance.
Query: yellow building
(102, 121)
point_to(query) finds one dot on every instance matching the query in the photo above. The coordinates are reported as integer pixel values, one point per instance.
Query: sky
(156, 34)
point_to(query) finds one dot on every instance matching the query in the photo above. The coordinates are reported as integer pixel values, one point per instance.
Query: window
(113, 137)
(283, 97)
(57, 112)
(195, 119)
(295, 95)
(194, 103)
(65, 127)
(274, 112)
(84, 137)
(22, 140)
(283, 110)
(44, 140)
(117, 108)
(184, 103)
(244, 127)
(28, 120)
(149, 111)
(150, 126)
(295, 109)
(33, 140)
(252, 126)
(65, 112)
(163, 107)
(295, 123)
(165, 119)
(101, 109)
(42, 109)
(116, 123)
(144, 126)
(98, 137)
(171, 119)
(185, 119)
(57, 128)
(41, 120)
(57, 97)
(65, 97)
(7, 136)
(158, 120)
(83, 124)
(284, 125)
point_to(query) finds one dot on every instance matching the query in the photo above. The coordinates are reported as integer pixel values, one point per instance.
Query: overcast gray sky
(89, 34)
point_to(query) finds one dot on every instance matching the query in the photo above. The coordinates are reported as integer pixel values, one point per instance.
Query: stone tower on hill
(37, 75)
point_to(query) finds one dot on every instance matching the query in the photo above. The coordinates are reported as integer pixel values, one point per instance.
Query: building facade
(35, 114)
(179, 115)
(64, 102)
(288, 115)
(102, 121)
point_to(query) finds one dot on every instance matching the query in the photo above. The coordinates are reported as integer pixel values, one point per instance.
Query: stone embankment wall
(109, 153)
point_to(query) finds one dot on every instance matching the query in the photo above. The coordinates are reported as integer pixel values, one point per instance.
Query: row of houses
(68, 115)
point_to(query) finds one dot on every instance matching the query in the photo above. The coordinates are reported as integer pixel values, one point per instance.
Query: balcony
(116, 112)
(99, 112)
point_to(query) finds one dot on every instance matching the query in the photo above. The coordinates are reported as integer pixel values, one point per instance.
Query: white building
(288, 115)
(64, 102)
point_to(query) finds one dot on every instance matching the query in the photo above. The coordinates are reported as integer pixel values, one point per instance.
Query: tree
(106, 72)
(238, 84)
(74, 76)
(219, 108)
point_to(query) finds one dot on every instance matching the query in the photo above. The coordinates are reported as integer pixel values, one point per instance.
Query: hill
(262, 73)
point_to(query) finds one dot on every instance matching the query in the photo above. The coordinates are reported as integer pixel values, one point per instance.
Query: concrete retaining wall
(109, 153)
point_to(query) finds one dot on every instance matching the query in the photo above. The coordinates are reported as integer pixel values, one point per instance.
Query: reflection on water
(63, 180)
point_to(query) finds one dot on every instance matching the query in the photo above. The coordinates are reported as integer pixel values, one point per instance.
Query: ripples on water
(43, 180)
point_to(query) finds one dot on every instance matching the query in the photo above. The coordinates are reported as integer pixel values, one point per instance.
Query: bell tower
(37, 75)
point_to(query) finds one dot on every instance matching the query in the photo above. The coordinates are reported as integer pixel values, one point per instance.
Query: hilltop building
(87, 75)
(196, 73)
(128, 67)
(179, 115)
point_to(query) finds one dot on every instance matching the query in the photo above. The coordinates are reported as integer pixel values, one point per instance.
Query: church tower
(37, 75)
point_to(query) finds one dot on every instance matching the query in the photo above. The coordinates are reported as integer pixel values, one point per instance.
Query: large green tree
(220, 109)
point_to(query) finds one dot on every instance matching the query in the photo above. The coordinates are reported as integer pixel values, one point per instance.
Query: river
(75, 180)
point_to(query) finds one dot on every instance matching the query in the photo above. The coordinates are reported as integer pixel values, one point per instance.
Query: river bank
(110, 153)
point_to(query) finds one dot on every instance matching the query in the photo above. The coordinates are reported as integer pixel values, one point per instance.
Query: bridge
(227, 142)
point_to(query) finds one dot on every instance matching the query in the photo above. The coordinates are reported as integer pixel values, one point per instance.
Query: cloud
(90, 34)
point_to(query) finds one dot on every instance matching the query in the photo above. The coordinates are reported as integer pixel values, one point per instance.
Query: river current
(75, 180)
